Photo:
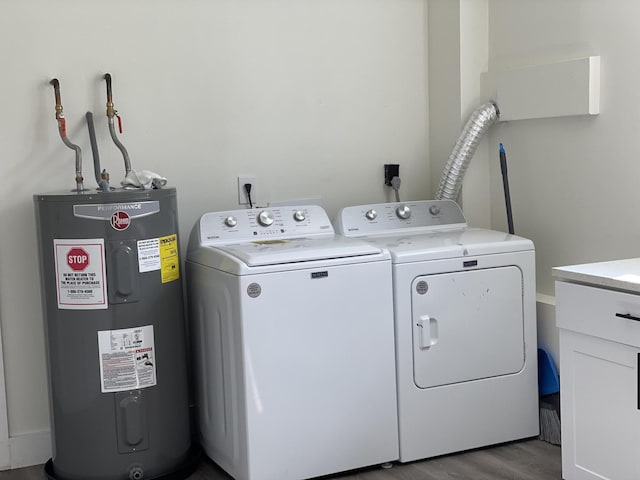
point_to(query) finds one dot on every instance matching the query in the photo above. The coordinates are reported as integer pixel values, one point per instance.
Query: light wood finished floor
(524, 460)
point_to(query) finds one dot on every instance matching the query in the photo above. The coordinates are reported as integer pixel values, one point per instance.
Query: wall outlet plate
(243, 199)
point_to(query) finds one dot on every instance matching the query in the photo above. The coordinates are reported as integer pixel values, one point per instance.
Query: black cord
(247, 188)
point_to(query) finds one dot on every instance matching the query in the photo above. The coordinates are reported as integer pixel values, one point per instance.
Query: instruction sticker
(148, 255)
(127, 359)
(80, 274)
(169, 262)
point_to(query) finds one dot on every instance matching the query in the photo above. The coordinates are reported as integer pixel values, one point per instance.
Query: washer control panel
(237, 226)
(399, 217)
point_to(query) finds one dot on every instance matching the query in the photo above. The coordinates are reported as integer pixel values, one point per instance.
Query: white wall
(310, 96)
(574, 180)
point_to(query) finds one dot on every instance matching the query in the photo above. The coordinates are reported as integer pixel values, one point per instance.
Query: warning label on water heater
(148, 255)
(160, 254)
(80, 274)
(127, 359)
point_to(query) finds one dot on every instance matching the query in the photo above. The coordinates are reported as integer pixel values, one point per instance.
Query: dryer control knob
(371, 214)
(230, 221)
(265, 218)
(434, 210)
(403, 212)
(299, 216)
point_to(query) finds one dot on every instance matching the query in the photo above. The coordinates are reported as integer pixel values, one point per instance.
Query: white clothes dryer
(465, 325)
(292, 333)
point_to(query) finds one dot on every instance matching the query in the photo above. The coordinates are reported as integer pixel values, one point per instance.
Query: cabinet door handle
(638, 382)
(628, 316)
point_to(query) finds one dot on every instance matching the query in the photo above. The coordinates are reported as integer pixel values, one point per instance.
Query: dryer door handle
(427, 331)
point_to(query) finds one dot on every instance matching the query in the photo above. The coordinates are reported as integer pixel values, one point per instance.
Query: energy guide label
(127, 359)
(169, 261)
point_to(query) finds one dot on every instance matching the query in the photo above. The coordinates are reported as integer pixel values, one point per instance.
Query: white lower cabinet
(600, 390)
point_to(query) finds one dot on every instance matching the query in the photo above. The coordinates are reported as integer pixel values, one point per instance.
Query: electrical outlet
(243, 198)
(390, 170)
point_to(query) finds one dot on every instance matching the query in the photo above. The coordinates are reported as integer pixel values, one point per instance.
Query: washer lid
(294, 250)
(449, 244)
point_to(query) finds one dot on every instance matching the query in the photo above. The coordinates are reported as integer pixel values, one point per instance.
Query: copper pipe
(110, 109)
(62, 130)
(111, 112)
(56, 91)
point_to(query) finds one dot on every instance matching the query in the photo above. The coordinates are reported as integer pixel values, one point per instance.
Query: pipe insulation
(479, 122)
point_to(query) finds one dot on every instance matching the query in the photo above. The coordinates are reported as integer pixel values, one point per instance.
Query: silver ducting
(451, 181)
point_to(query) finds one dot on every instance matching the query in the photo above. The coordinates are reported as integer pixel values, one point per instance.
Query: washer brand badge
(254, 290)
(120, 220)
(319, 274)
(422, 287)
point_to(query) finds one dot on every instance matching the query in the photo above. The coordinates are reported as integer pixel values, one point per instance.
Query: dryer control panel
(381, 218)
(270, 224)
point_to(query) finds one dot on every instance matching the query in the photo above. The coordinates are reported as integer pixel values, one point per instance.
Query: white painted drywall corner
(474, 57)
(458, 54)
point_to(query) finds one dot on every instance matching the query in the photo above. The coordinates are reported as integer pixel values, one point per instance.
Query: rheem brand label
(120, 220)
(80, 274)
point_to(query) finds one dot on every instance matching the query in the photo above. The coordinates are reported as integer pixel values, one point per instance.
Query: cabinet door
(600, 415)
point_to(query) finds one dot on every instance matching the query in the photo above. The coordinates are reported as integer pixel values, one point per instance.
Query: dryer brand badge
(254, 290)
(323, 274)
(422, 287)
(120, 220)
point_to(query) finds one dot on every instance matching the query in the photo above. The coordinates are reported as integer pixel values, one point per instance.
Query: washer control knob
(371, 214)
(403, 212)
(265, 218)
(434, 210)
(230, 221)
(299, 216)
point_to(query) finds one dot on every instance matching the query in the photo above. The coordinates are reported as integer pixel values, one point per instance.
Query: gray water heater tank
(114, 324)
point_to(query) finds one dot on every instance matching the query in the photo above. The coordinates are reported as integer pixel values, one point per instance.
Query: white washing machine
(465, 324)
(292, 333)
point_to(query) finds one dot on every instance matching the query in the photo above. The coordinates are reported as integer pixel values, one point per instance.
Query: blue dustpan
(548, 380)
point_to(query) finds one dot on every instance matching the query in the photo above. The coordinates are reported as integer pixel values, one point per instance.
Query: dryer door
(467, 325)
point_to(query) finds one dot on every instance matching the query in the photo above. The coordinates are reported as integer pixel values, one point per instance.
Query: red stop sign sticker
(77, 259)
(120, 220)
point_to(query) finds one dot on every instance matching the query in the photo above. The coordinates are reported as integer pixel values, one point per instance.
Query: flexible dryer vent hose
(451, 181)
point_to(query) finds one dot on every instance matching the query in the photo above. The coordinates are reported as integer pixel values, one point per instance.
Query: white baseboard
(5, 455)
(28, 449)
